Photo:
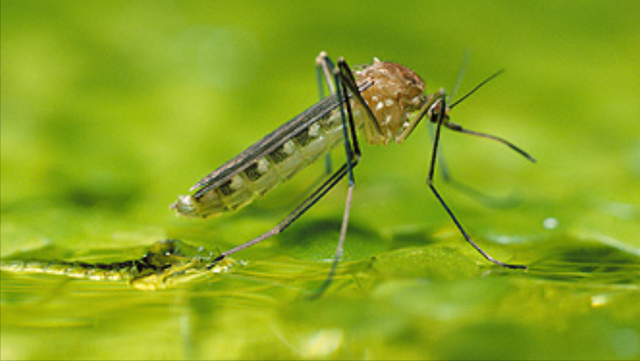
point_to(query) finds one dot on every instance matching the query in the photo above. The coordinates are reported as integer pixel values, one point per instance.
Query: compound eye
(436, 111)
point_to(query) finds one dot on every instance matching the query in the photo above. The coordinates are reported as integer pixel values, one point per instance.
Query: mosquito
(383, 102)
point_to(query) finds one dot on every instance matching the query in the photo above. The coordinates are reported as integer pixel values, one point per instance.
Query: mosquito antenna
(491, 77)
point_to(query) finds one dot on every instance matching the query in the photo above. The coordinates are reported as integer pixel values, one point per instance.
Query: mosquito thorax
(396, 93)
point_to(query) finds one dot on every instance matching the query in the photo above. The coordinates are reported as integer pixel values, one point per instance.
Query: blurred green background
(110, 109)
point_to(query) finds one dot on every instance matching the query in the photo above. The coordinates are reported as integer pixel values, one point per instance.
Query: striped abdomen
(267, 170)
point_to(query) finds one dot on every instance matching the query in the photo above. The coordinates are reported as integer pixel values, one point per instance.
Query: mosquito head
(436, 110)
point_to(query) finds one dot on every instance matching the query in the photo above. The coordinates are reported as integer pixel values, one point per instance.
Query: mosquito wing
(266, 145)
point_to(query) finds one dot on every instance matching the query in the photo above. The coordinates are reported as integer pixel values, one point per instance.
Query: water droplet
(550, 223)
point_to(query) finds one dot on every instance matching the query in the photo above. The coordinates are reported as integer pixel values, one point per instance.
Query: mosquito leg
(444, 170)
(442, 164)
(440, 119)
(476, 194)
(347, 78)
(348, 124)
(353, 156)
(339, 248)
(292, 217)
(324, 74)
(324, 69)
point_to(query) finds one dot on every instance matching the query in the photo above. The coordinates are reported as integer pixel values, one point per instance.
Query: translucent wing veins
(268, 144)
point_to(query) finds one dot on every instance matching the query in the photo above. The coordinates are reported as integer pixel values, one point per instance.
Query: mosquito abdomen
(266, 172)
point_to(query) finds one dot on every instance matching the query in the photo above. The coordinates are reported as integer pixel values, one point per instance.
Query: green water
(110, 110)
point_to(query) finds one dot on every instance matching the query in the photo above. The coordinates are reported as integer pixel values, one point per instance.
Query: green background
(111, 109)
